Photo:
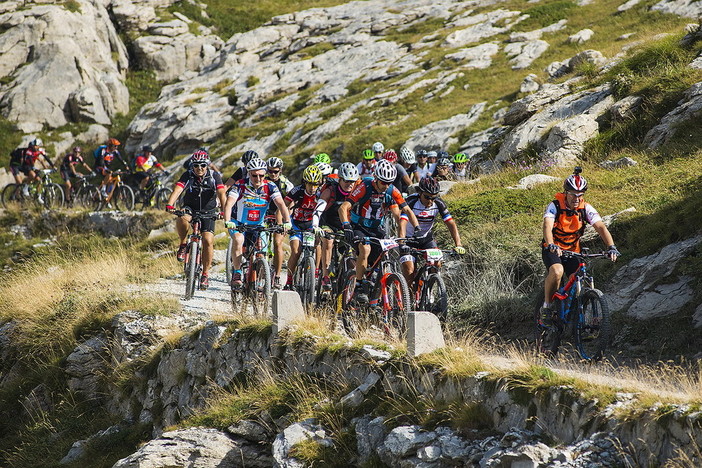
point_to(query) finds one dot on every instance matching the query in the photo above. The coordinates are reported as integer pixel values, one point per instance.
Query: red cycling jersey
(304, 204)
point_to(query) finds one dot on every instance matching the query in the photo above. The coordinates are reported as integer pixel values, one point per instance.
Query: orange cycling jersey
(369, 206)
(569, 225)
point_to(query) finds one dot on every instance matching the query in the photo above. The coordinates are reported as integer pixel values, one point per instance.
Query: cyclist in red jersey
(301, 201)
(362, 215)
(68, 168)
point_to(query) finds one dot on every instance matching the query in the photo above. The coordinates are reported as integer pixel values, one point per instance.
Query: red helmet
(575, 182)
(391, 156)
(200, 155)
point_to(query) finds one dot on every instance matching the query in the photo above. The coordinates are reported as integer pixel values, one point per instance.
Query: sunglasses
(257, 176)
(200, 165)
(430, 197)
(273, 172)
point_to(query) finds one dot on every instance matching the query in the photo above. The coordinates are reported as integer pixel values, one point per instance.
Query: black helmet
(147, 149)
(429, 185)
(248, 156)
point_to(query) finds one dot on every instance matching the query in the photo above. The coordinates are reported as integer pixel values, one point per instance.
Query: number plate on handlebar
(433, 255)
(387, 244)
(308, 239)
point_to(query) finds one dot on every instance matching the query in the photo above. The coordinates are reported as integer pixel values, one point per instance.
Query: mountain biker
(241, 172)
(367, 166)
(362, 215)
(426, 205)
(275, 216)
(104, 156)
(460, 167)
(424, 168)
(16, 158)
(203, 188)
(409, 163)
(432, 156)
(247, 204)
(301, 201)
(332, 194)
(443, 170)
(378, 150)
(402, 181)
(68, 168)
(30, 156)
(327, 171)
(564, 223)
(143, 164)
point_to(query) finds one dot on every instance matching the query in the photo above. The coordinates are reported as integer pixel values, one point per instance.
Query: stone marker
(424, 333)
(287, 307)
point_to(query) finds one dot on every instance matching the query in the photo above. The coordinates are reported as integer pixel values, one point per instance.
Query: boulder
(625, 108)
(83, 48)
(687, 8)
(566, 140)
(689, 108)
(558, 69)
(441, 133)
(482, 26)
(86, 366)
(628, 5)
(537, 33)
(529, 85)
(295, 434)
(523, 54)
(581, 36)
(625, 161)
(477, 57)
(531, 181)
(523, 108)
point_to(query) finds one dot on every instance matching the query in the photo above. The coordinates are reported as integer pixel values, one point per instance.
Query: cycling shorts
(297, 228)
(67, 174)
(15, 169)
(139, 176)
(206, 224)
(570, 264)
(379, 232)
(27, 169)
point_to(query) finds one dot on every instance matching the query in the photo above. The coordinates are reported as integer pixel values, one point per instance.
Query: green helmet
(460, 158)
(368, 154)
(322, 158)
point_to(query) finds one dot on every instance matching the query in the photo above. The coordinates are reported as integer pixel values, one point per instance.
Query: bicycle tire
(395, 299)
(260, 290)
(161, 196)
(347, 312)
(191, 270)
(548, 338)
(53, 196)
(228, 260)
(304, 280)
(89, 197)
(10, 194)
(434, 298)
(123, 198)
(593, 327)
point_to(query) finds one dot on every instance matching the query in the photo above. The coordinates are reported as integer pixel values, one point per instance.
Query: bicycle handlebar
(198, 215)
(567, 253)
(260, 228)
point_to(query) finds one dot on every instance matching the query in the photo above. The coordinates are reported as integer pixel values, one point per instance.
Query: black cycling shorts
(206, 224)
(570, 264)
(379, 232)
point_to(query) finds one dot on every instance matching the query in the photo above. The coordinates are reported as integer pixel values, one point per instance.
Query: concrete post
(424, 333)
(287, 307)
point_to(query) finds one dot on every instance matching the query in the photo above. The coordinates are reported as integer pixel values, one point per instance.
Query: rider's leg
(207, 251)
(294, 257)
(182, 225)
(144, 182)
(237, 250)
(278, 253)
(408, 270)
(553, 279)
(327, 249)
(362, 260)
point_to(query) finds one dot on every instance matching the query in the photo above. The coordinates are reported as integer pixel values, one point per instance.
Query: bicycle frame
(567, 294)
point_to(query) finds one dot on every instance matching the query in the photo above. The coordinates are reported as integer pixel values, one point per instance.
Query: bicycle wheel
(228, 260)
(395, 302)
(53, 196)
(305, 280)
(548, 338)
(161, 198)
(347, 309)
(123, 198)
(434, 298)
(593, 326)
(90, 198)
(259, 288)
(391, 226)
(191, 270)
(11, 193)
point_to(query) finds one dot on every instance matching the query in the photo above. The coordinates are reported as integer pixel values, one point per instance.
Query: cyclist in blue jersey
(247, 204)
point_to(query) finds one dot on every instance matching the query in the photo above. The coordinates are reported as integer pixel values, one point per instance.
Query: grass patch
(143, 88)
(546, 14)
(315, 50)
(72, 5)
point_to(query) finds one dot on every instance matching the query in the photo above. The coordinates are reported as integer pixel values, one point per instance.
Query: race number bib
(387, 244)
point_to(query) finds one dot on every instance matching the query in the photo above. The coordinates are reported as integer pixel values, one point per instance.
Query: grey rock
(356, 397)
(566, 140)
(530, 181)
(482, 26)
(86, 367)
(679, 7)
(537, 33)
(581, 36)
(625, 161)
(442, 133)
(529, 85)
(625, 108)
(478, 57)
(249, 430)
(628, 5)
(404, 440)
(370, 433)
(294, 434)
(523, 54)
(525, 107)
(689, 108)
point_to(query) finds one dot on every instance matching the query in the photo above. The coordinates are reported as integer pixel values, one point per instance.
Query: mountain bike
(389, 298)
(428, 286)
(256, 273)
(50, 196)
(579, 310)
(304, 278)
(122, 195)
(83, 194)
(265, 239)
(193, 251)
(155, 194)
(343, 259)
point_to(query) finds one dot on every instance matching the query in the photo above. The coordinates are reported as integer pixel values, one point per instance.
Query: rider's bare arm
(453, 229)
(344, 212)
(282, 207)
(177, 190)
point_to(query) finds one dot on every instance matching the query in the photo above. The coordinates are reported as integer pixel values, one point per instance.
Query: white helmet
(325, 168)
(275, 162)
(37, 142)
(378, 147)
(407, 155)
(349, 171)
(385, 171)
(256, 164)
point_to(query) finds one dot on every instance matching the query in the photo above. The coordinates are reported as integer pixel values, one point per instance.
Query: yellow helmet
(312, 175)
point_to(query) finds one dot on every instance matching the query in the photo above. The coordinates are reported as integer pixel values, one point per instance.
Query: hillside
(523, 87)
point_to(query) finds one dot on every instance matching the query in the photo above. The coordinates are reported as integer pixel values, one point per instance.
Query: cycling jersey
(303, 205)
(461, 175)
(30, 156)
(400, 179)
(569, 225)
(71, 160)
(365, 171)
(104, 158)
(425, 215)
(143, 163)
(425, 171)
(200, 193)
(369, 206)
(284, 185)
(251, 204)
(239, 174)
(327, 211)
